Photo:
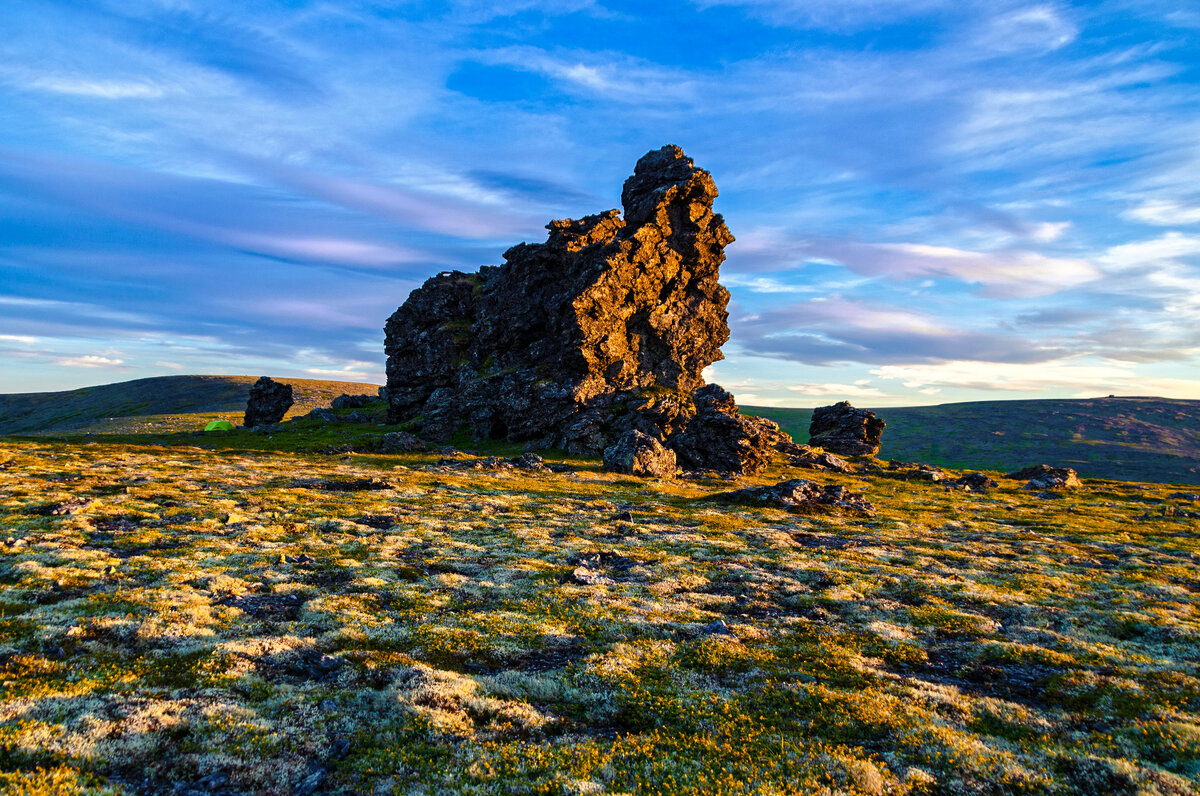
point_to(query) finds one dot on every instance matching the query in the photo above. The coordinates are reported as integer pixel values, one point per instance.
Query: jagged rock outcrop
(268, 403)
(718, 437)
(846, 431)
(636, 453)
(602, 329)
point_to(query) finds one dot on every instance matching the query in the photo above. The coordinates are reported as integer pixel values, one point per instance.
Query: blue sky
(933, 200)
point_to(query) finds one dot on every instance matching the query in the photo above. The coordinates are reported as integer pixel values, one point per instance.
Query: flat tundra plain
(249, 619)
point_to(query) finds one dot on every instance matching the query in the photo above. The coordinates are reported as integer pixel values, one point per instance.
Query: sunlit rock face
(604, 327)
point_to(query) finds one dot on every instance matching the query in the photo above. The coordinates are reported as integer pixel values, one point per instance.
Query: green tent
(219, 425)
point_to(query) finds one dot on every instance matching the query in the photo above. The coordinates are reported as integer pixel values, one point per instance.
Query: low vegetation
(241, 613)
(147, 402)
(1127, 439)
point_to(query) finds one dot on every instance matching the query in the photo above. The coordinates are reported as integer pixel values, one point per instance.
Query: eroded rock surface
(602, 329)
(846, 431)
(268, 403)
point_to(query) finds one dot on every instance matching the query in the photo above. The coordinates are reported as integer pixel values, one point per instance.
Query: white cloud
(101, 89)
(89, 361)
(169, 365)
(857, 390)
(1164, 213)
(841, 15)
(19, 338)
(1040, 28)
(1148, 252)
(1103, 378)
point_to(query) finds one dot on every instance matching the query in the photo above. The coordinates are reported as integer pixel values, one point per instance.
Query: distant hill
(1129, 439)
(70, 410)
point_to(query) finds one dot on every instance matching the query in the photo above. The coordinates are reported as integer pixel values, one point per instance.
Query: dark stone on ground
(324, 415)
(799, 495)
(64, 509)
(717, 628)
(268, 403)
(846, 431)
(602, 329)
(526, 461)
(636, 453)
(917, 472)
(975, 482)
(401, 442)
(813, 459)
(352, 485)
(345, 401)
(1043, 476)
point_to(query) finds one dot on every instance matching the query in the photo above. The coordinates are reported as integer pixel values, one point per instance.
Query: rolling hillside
(87, 408)
(1134, 439)
(1130, 439)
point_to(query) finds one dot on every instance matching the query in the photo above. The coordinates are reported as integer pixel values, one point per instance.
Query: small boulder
(813, 458)
(268, 403)
(719, 438)
(846, 431)
(974, 482)
(345, 401)
(401, 442)
(1043, 477)
(640, 454)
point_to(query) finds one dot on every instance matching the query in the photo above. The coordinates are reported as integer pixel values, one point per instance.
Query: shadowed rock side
(268, 403)
(847, 431)
(602, 329)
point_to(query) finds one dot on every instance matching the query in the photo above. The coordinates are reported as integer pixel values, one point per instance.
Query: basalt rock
(345, 401)
(602, 329)
(719, 438)
(846, 431)
(813, 459)
(636, 453)
(268, 403)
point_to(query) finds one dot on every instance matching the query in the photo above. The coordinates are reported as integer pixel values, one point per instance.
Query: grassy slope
(1135, 439)
(90, 408)
(215, 612)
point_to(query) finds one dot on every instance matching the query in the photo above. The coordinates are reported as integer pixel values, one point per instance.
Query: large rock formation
(844, 430)
(268, 403)
(603, 328)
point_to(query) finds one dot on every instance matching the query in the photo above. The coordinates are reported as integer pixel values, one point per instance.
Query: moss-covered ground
(240, 614)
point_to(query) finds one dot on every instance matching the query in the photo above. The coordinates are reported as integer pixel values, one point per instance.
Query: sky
(933, 200)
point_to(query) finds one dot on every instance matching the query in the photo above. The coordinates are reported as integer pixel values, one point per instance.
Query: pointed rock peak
(657, 172)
